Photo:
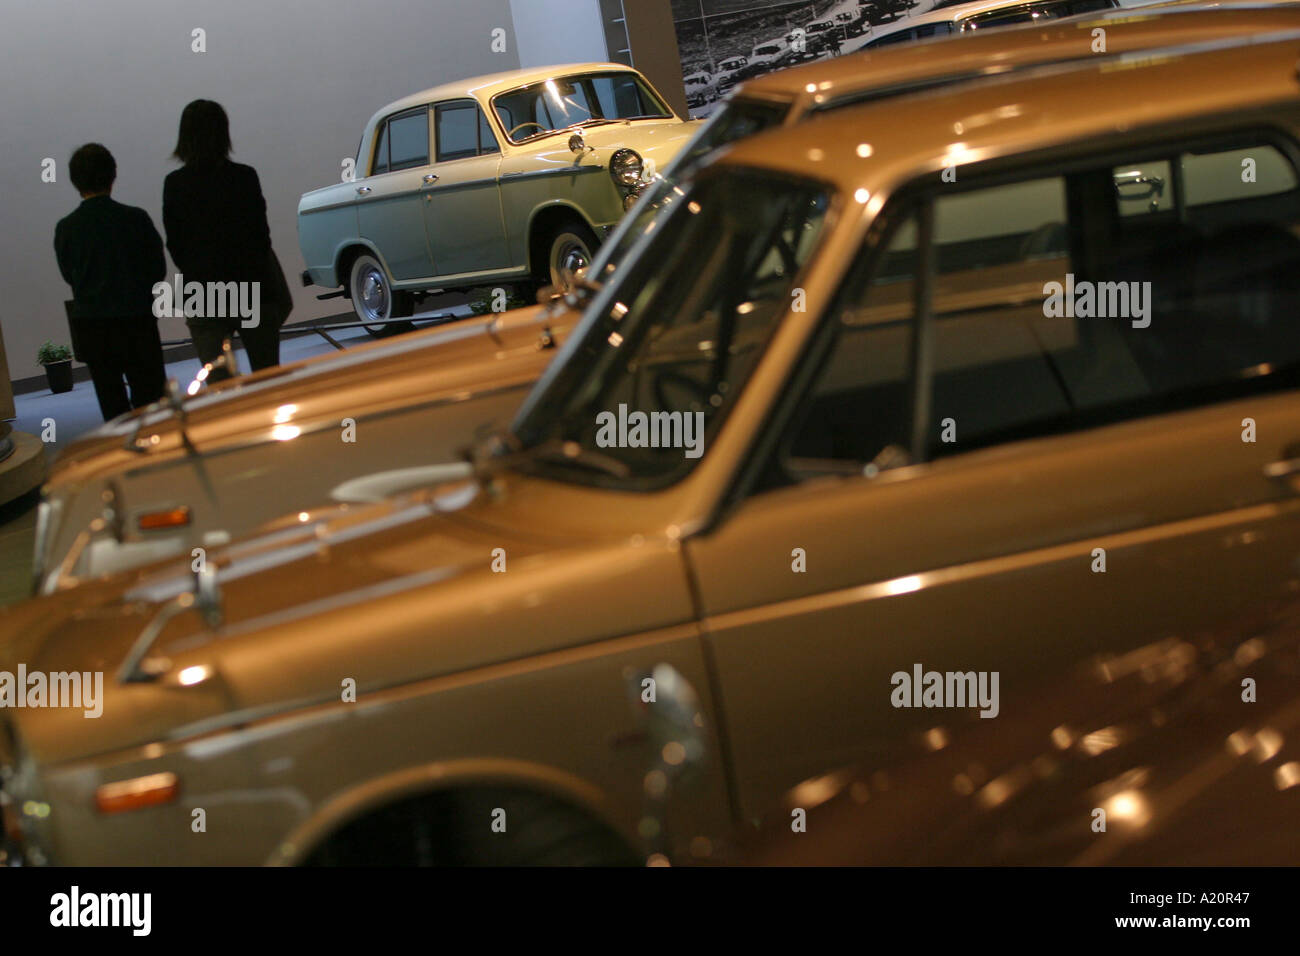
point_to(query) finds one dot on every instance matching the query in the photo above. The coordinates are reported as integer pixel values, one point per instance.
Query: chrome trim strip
(560, 171)
(433, 281)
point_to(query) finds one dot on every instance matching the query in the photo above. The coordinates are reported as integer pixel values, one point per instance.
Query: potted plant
(57, 360)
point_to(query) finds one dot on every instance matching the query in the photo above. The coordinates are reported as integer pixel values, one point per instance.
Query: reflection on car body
(1159, 757)
(563, 566)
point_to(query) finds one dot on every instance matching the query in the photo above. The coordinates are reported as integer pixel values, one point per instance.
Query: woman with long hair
(215, 219)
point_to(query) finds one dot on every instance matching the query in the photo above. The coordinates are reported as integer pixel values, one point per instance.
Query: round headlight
(625, 167)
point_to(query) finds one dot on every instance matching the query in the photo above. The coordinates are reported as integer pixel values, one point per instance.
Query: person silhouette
(112, 256)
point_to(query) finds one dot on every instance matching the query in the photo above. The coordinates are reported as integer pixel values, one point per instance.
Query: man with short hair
(112, 256)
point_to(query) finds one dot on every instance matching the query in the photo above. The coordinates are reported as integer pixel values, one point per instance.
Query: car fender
(552, 204)
(352, 242)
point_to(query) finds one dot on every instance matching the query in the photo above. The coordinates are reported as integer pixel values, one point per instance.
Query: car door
(983, 486)
(462, 193)
(389, 212)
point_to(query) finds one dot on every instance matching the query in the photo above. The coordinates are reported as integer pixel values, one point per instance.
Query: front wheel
(373, 298)
(568, 248)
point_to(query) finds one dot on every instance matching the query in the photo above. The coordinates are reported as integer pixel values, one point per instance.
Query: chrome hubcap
(570, 254)
(373, 294)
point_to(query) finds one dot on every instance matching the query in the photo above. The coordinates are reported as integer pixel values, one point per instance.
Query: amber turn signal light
(137, 794)
(158, 520)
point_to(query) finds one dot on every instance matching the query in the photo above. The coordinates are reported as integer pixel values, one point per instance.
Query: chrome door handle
(1286, 468)
(363, 190)
(430, 178)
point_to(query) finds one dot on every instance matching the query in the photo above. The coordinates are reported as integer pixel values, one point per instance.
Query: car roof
(1026, 111)
(997, 51)
(959, 11)
(482, 87)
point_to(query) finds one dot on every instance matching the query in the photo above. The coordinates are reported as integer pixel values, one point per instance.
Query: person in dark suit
(112, 256)
(215, 219)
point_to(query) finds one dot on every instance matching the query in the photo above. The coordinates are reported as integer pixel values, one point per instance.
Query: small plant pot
(59, 376)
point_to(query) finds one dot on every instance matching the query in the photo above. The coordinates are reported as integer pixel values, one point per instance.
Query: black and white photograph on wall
(724, 42)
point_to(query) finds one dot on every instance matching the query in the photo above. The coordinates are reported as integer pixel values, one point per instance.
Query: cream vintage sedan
(513, 177)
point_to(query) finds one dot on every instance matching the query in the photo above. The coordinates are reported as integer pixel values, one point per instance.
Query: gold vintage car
(493, 179)
(877, 438)
(251, 452)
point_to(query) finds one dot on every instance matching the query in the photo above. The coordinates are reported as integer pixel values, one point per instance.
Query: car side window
(487, 140)
(1053, 309)
(408, 136)
(1251, 172)
(857, 409)
(380, 164)
(1000, 225)
(993, 250)
(1160, 312)
(940, 29)
(1036, 12)
(462, 131)
(457, 131)
(899, 37)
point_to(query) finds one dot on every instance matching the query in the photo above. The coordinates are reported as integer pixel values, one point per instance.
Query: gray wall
(299, 78)
(559, 31)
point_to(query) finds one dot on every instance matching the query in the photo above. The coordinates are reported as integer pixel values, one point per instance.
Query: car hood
(384, 594)
(656, 140)
(363, 378)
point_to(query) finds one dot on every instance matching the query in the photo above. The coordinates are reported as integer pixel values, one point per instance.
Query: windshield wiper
(559, 451)
(501, 451)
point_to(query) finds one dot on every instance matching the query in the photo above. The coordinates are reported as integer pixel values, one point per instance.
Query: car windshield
(765, 50)
(667, 346)
(735, 121)
(1035, 12)
(566, 101)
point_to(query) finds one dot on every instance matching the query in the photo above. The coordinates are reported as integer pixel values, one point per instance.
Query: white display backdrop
(299, 79)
